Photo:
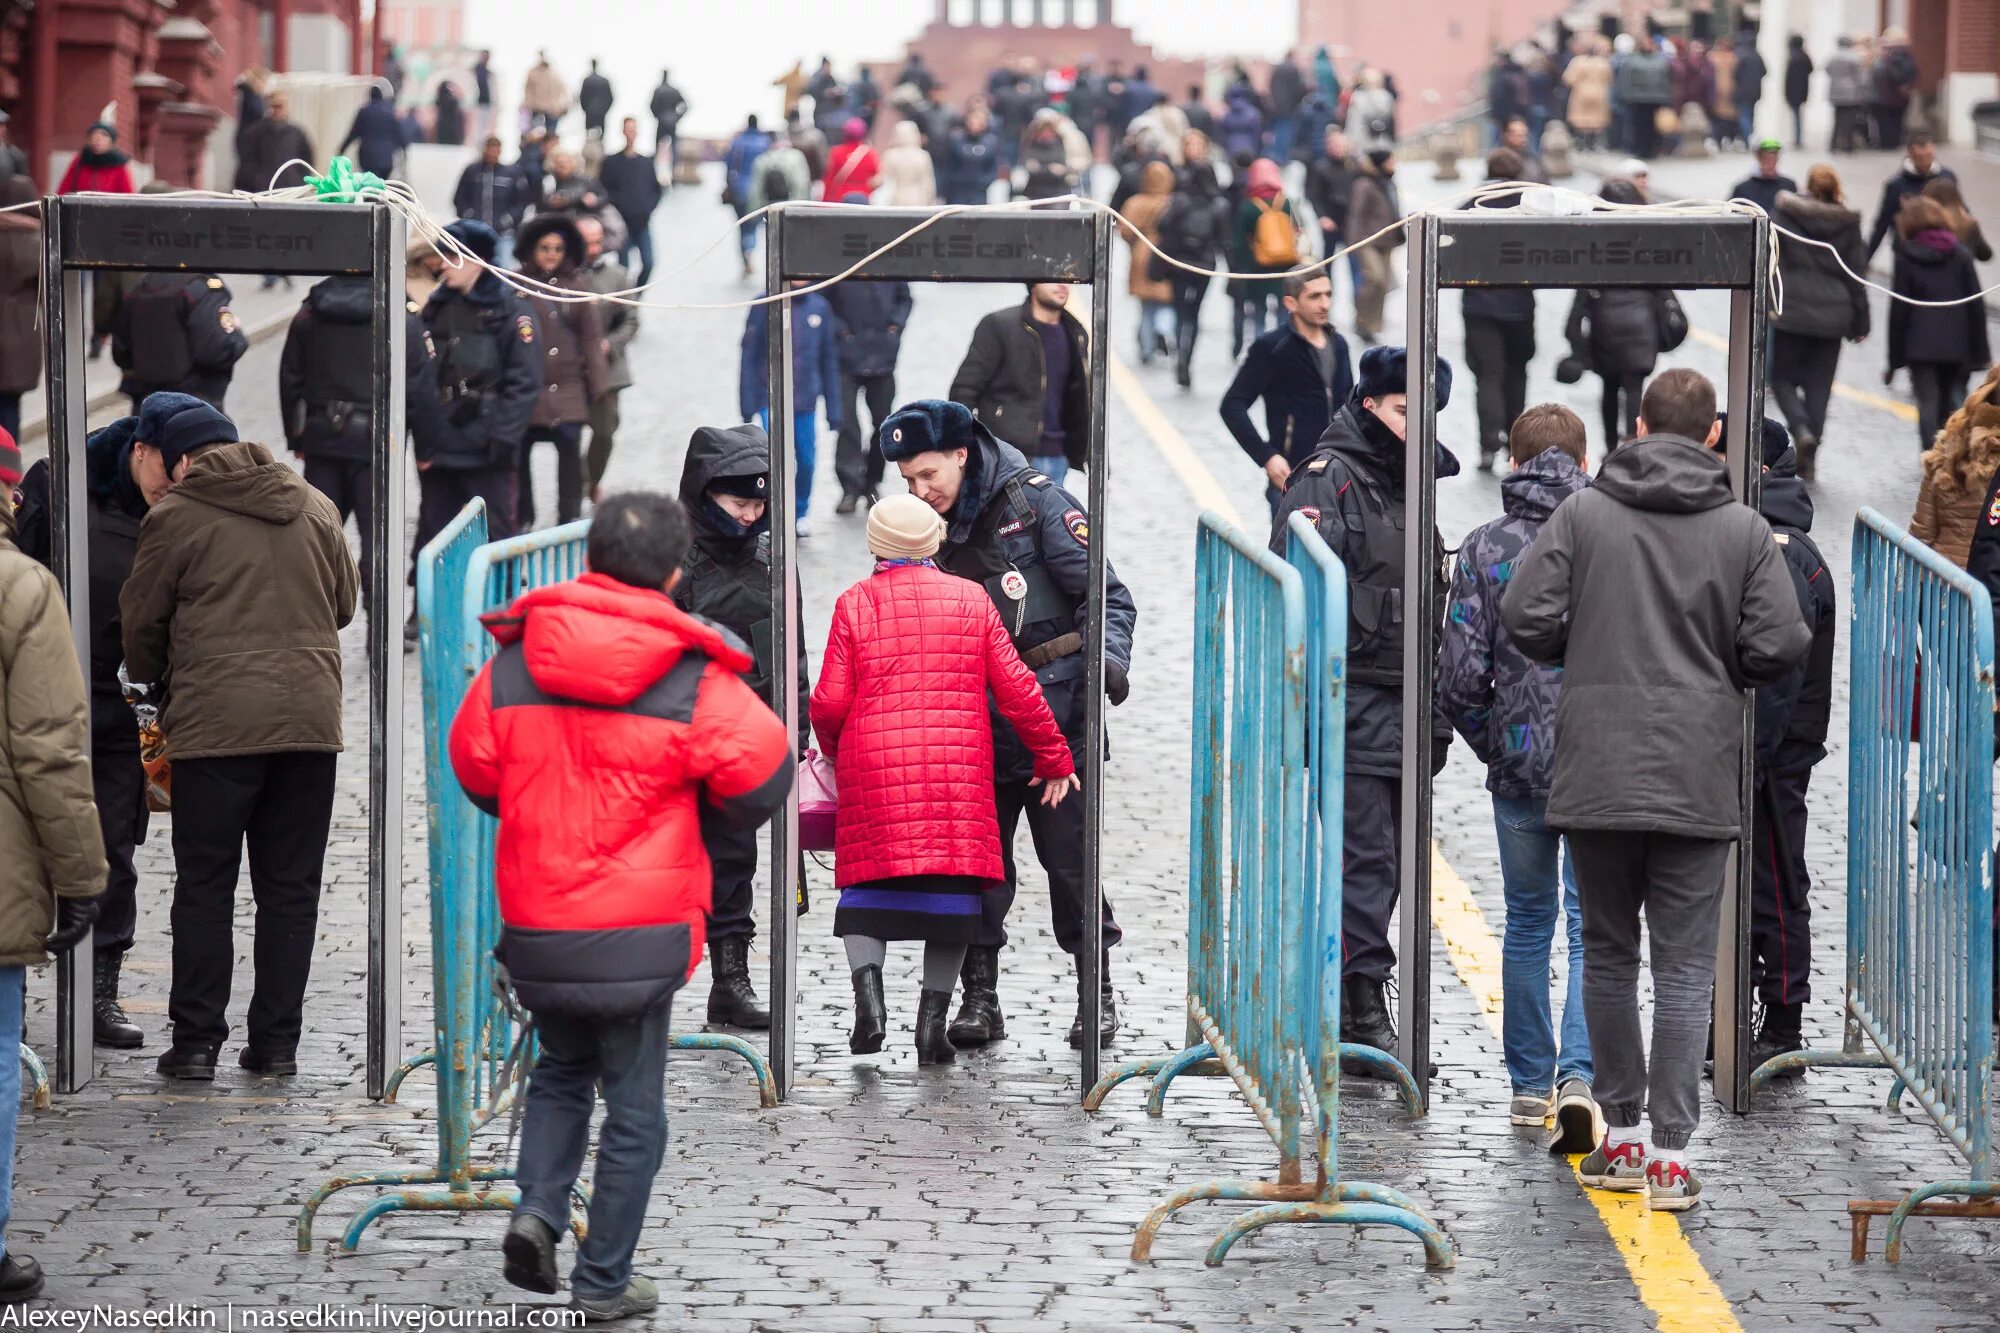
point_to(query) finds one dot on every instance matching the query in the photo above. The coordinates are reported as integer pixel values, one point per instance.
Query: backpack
(777, 186)
(1187, 229)
(1273, 242)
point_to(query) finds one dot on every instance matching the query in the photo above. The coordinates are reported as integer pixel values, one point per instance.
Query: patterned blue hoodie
(1503, 704)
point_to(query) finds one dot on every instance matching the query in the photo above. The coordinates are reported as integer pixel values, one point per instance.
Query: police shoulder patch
(1037, 479)
(1078, 525)
(525, 326)
(1993, 513)
(227, 319)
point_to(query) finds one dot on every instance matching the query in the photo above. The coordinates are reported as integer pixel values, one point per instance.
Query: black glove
(74, 918)
(1440, 751)
(1116, 685)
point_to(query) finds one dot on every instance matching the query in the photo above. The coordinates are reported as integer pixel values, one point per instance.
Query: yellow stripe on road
(1904, 411)
(1663, 1265)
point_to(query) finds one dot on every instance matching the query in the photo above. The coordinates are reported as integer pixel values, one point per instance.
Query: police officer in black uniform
(488, 381)
(1352, 488)
(726, 578)
(176, 331)
(326, 393)
(1027, 540)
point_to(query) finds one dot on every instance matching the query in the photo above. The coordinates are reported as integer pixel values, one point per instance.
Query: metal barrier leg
(1130, 1069)
(1892, 1239)
(767, 1086)
(1896, 1091)
(38, 1077)
(1142, 1243)
(1175, 1066)
(403, 1071)
(420, 1175)
(1373, 1062)
(1437, 1246)
(1813, 1059)
(441, 1200)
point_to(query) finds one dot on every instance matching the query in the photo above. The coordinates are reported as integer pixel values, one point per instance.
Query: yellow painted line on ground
(1662, 1264)
(1904, 411)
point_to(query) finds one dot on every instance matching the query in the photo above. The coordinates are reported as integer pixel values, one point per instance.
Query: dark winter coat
(376, 136)
(1798, 74)
(1792, 713)
(868, 323)
(1502, 702)
(1330, 189)
(1895, 191)
(489, 373)
(815, 361)
(1662, 598)
(594, 98)
(970, 165)
(1284, 370)
(326, 375)
(267, 145)
(20, 290)
(726, 577)
(176, 331)
(240, 587)
(632, 184)
(574, 372)
(1002, 376)
(496, 195)
(1750, 74)
(1763, 190)
(1821, 301)
(1893, 77)
(1504, 305)
(1242, 126)
(1934, 266)
(1287, 88)
(668, 106)
(1352, 488)
(1615, 330)
(1645, 79)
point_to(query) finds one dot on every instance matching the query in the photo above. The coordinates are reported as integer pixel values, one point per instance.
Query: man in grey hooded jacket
(1663, 599)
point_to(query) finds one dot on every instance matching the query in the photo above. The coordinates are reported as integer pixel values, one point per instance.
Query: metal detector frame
(819, 241)
(168, 234)
(1506, 248)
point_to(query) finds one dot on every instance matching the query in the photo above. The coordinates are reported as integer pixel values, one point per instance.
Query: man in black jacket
(1329, 189)
(175, 331)
(268, 144)
(1499, 336)
(1353, 489)
(489, 378)
(668, 107)
(496, 194)
(1763, 186)
(594, 97)
(1301, 371)
(1026, 376)
(868, 323)
(1920, 167)
(631, 182)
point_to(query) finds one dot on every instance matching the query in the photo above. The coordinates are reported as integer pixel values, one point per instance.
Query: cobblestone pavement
(979, 1197)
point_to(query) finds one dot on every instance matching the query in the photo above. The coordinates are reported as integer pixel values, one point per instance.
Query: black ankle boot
(1107, 1008)
(979, 1020)
(871, 1014)
(1364, 1017)
(732, 1000)
(112, 1027)
(1779, 1035)
(933, 1045)
(20, 1279)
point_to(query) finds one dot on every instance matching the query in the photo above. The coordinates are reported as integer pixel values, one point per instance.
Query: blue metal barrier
(1264, 891)
(1919, 855)
(461, 576)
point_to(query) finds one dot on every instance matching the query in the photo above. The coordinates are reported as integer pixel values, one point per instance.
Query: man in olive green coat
(240, 588)
(51, 852)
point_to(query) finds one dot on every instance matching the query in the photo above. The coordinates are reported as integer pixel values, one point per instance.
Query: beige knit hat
(902, 527)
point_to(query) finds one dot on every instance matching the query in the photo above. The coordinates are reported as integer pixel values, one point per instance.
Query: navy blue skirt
(943, 908)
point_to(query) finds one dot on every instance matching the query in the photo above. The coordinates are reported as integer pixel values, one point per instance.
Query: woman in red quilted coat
(901, 709)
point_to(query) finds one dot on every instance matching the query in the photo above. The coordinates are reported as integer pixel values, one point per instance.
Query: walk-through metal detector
(169, 234)
(1505, 248)
(819, 241)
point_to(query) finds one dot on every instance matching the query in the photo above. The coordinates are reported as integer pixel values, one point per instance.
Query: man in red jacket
(605, 721)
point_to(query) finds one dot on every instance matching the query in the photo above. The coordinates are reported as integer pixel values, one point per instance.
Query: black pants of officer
(443, 492)
(1498, 351)
(567, 436)
(118, 784)
(349, 483)
(1058, 834)
(1781, 906)
(856, 459)
(280, 805)
(732, 859)
(1370, 852)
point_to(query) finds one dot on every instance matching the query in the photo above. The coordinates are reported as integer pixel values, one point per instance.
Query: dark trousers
(349, 484)
(567, 437)
(1888, 121)
(639, 246)
(603, 433)
(1850, 129)
(857, 461)
(1781, 911)
(1620, 424)
(1498, 351)
(732, 860)
(1802, 371)
(1645, 134)
(1677, 883)
(443, 492)
(1189, 289)
(10, 414)
(1058, 834)
(1939, 390)
(627, 1059)
(118, 784)
(1370, 853)
(281, 805)
(1254, 316)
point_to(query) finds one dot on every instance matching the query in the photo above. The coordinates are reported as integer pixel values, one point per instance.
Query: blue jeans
(1281, 138)
(629, 1059)
(1528, 854)
(1053, 466)
(1156, 325)
(805, 427)
(639, 243)
(13, 983)
(503, 253)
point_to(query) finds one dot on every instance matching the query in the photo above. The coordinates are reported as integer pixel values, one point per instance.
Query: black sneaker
(529, 1252)
(193, 1063)
(20, 1279)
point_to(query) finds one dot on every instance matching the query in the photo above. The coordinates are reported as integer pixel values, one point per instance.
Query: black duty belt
(1053, 651)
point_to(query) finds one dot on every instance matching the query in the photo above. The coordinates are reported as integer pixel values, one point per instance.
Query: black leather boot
(1364, 1017)
(732, 1000)
(1107, 1009)
(1779, 1035)
(871, 1014)
(979, 1019)
(933, 1045)
(195, 1063)
(528, 1253)
(112, 1027)
(20, 1279)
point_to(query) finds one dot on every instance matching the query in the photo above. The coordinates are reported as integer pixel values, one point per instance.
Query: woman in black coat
(1941, 345)
(1822, 305)
(1615, 332)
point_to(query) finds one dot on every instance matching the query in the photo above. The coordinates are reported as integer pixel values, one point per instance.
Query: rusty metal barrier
(1264, 884)
(460, 576)
(1920, 853)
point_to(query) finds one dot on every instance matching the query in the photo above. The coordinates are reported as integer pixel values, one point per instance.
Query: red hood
(600, 641)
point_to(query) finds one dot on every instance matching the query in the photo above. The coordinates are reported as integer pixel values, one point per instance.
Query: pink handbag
(818, 804)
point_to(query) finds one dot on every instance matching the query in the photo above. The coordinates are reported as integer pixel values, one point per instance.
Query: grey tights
(941, 961)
